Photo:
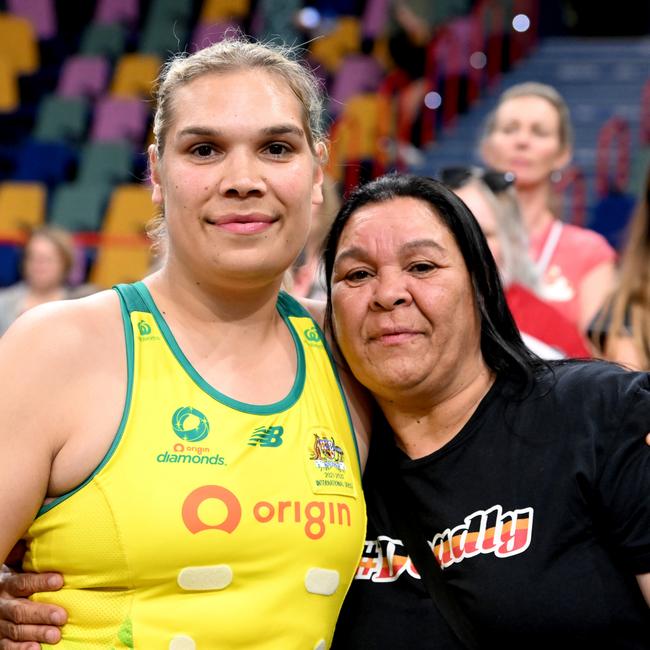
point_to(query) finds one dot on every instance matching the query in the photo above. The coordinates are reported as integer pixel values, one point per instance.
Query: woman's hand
(23, 623)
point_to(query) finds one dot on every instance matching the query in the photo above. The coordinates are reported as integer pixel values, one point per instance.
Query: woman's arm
(23, 623)
(32, 401)
(52, 359)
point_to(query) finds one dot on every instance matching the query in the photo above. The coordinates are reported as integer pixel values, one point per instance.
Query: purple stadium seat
(40, 13)
(359, 73)
(208, 33)
(83, 76)
(119, 118)
(125, 12)
(375, 18)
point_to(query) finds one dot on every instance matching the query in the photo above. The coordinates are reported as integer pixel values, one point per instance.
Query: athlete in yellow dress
(194, 476)
(209, 519)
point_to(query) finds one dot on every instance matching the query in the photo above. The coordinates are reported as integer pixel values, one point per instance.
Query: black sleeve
(624, 481)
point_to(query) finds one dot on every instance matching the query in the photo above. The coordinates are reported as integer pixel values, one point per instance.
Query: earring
(556, 176)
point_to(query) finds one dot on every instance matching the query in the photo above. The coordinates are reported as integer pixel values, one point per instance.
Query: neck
(194, 306)
(423, 429)
(534, 204)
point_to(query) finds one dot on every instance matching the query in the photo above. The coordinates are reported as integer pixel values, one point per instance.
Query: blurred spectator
(529, 133)
(622, 330)
(492, 200)
(47, 261)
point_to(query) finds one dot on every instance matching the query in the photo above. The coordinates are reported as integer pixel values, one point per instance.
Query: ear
(317, 185)
(154, 170)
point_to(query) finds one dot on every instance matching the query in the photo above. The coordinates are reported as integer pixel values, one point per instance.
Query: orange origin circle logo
(197, 497)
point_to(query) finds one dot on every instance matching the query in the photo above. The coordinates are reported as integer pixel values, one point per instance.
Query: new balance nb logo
(266, 437)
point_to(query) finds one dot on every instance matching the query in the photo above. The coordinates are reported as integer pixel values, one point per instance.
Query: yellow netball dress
(211, 523)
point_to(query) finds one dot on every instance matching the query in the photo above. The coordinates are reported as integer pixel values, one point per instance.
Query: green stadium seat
(79, 207)
(61, 119)
(107, 40)
(108, 162)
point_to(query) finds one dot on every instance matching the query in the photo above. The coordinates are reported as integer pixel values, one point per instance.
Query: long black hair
(502, 347)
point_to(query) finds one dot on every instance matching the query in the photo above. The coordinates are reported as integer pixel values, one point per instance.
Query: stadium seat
(121, 262)
(218, 11)
(78, 208)
(129, 209)
(206, 34)
(40, 13)
(162, 35)
(83, 76)
(125, 12)
(135, 75)
(344, 39)
(171, 10)
(9, 91)
(358, 73)
(22, 207)
(48, 162)
(118, 118)
(61, 119)
(111, 162)
(101, 39)
(18, 45)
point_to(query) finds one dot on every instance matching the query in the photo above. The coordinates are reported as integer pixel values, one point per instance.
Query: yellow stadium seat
(129, 210)
(9, 94)
(356, 134)
(22, 207)
(344, 39)
(116, 263)
(214, 11)
(135, 75)
(18, 45)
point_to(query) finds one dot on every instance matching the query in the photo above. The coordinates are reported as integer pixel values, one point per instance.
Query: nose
(521, 137)
(390, 292)
(241, 176)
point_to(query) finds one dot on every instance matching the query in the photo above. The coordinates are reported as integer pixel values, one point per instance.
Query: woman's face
(237, 179)
(43, 267)
(480, 207)
(526, 140)
(403, 304)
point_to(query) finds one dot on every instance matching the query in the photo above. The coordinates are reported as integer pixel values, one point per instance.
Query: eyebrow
(276, 129)
(356, 252)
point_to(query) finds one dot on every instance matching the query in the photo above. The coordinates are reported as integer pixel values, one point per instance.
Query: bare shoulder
(62, 328)
(62, 355)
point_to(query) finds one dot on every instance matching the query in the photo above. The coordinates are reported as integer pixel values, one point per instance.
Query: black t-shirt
(539, 512)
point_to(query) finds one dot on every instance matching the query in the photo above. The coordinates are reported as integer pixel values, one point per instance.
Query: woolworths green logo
(190, 424)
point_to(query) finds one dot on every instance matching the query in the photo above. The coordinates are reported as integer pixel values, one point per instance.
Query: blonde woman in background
(47, 261)
(530, 134)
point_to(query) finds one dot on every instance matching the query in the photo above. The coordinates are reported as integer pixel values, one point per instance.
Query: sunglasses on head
(456, 177)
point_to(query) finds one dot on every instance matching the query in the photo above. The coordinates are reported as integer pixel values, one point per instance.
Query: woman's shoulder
(579, 236)
(591, 384)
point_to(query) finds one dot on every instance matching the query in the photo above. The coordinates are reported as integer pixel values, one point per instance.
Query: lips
(245, 224)
(394, 335)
